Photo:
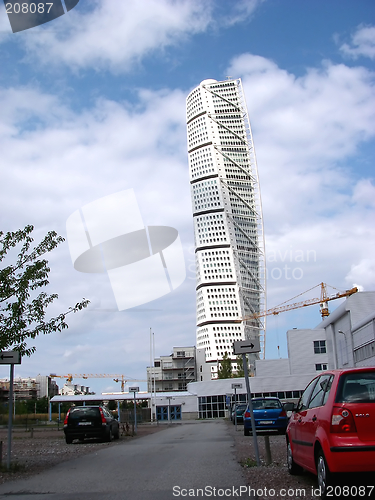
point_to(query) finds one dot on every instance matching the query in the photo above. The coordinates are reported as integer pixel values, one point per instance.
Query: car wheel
(323, 473)
(117, 434)
(68, 440)
(293, 468)
(246, 432)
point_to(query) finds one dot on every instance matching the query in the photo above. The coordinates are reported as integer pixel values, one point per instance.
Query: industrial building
(227, 214)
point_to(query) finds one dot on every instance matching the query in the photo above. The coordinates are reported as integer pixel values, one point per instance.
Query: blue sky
(94, 102)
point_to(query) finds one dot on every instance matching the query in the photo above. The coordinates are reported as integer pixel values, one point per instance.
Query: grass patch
(249, 462)
(14, 467)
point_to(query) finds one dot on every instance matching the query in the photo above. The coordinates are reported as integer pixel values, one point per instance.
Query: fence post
(268, 450)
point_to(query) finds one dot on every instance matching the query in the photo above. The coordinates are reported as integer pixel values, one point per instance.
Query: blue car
(240, 407)
(269, 415)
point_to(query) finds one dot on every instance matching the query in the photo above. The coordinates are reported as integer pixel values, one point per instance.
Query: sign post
(247, 347)
(134, 390)
(236, 386)
(10, 358)
(169, 408)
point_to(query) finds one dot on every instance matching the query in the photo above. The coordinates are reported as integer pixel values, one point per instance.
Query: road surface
(192, 459)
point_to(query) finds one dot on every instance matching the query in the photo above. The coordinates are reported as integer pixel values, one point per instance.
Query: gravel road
(47, 448)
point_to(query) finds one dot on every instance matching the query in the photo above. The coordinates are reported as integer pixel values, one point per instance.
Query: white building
(228, 227)
(47, 387)
(344, 339)
(350, 332)
(69, 389)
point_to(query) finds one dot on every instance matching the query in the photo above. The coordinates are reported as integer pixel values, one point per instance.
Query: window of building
(364, 352)
(321, 367)
(320, 347)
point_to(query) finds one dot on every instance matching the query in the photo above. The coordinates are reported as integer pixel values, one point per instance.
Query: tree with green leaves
(22, 305)
(225, 369)
(240, 371)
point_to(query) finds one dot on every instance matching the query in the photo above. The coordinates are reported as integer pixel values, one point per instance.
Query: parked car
(240, 410)
(90, 422)
(269, 415)
(332, 429)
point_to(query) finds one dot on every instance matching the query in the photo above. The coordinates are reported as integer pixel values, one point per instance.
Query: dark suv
(90, 422)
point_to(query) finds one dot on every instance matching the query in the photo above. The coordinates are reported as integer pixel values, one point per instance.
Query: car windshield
(241, 407)
(357, 388)
(266, 404)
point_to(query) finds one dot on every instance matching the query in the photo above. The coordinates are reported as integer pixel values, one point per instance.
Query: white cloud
(242, 11)
(362, 273)
(116, 35)
(364, 193)
(306, 130)
(362, 43)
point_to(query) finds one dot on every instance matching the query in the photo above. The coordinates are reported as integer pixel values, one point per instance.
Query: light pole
(346, 348)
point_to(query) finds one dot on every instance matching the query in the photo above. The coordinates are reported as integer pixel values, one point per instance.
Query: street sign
(10, 358)
(246, 346)
(133, 389)
(237, 386)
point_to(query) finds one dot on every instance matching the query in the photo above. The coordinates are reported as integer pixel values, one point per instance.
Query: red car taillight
(283, 414)
(342, 420)
(103, 417)
(247, 414)
(66, 418)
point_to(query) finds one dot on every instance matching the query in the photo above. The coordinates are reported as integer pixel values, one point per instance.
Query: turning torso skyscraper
(228, 224)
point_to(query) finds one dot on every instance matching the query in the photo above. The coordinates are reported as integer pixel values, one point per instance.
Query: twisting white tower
(228, 224)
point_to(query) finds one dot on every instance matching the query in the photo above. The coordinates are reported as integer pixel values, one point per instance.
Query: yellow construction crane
(323, 301)
(115, 377)
(324, 298)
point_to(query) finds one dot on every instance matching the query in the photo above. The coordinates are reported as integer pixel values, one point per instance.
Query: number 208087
(349, 491)
(26, 8)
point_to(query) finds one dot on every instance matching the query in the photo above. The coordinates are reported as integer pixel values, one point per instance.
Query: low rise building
(172, 373)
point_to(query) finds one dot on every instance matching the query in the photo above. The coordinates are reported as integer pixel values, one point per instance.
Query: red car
(332, 429)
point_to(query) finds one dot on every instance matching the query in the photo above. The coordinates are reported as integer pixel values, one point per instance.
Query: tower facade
(228, 224)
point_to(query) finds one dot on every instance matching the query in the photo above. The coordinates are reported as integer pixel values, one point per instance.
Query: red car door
(296, 421)
(310, 420)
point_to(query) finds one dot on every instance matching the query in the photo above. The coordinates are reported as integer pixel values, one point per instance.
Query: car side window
(317, 396)
(303, 402)
(328, 390)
